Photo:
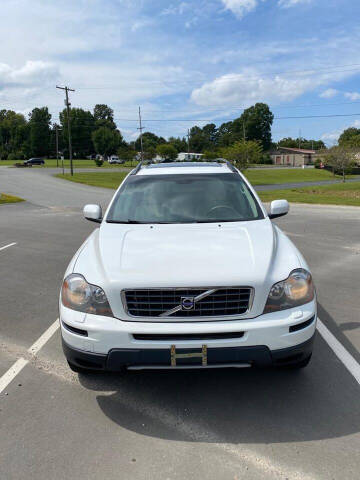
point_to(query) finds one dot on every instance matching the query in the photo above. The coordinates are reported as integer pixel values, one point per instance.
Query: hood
(118, 256)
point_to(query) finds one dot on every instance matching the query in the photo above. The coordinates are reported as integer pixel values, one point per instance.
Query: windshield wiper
(218, 221)
(120, 221)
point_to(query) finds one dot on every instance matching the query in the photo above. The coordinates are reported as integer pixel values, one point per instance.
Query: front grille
(156, 302)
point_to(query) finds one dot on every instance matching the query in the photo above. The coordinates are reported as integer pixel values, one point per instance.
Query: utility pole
(67, 103)
(188, 142)
(141, 128)
(300, 138)
(244, 131)
(57, 145)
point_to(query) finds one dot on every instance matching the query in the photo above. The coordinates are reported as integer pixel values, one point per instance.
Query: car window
(184, 199)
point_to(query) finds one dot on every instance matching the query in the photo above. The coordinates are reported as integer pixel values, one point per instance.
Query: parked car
(34, 161)
(115, 159)
(187, 270)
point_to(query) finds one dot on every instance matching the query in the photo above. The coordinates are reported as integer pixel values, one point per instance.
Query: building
(189, 157)
(293, 157)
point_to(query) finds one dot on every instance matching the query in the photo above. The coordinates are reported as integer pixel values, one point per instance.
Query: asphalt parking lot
(217, 424)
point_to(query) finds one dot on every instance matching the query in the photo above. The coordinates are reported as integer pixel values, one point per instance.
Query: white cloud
(329, 93)
(240, 7)
(352, 95)
(32, 73)
(249, 86)
(333, 136)
(142, 23)
(291, 3)
(176, 9)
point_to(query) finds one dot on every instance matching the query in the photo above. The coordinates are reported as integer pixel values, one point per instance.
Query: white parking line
(9, 376)
(348, 360)
(7, 246)
(12, 372)
(40, 342)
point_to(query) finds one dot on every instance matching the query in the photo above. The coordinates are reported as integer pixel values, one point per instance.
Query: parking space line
(7, 246)
(12, 372)
(16, 368)
(343, 355)
(40, 342)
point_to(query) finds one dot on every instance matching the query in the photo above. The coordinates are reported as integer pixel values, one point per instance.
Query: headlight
(296, 290)
(78, 294)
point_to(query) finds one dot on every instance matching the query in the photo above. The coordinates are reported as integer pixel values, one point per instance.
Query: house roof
(297, 150)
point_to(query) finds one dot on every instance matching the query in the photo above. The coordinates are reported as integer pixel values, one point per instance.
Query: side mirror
(279, 208)
(93, 213)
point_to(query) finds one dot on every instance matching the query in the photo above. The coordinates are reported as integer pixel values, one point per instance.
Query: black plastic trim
(300, 326)
(187, 336)
(77, 331)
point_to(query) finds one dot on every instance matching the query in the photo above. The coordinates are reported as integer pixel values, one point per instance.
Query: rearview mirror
(93, 213)
(279, 208)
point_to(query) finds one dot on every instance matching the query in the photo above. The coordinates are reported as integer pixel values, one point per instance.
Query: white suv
(187, 270)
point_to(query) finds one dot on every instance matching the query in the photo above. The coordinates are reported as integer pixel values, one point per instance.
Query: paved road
(214, 424)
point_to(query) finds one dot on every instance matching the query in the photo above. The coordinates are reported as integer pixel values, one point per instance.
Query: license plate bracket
(202, 355)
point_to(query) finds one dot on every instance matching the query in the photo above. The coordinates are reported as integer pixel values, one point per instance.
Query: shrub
(99, 162)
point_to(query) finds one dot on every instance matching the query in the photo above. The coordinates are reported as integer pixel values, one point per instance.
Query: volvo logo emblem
(187, 303)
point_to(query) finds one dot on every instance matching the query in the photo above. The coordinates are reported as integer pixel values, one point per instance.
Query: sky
(187, 62)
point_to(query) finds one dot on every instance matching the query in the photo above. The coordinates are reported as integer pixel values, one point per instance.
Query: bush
(318, 163)
(99, 162)
(266, 159)
(13, 156)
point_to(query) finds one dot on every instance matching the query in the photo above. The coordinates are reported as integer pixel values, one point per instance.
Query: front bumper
(256, 356)
(106, 343)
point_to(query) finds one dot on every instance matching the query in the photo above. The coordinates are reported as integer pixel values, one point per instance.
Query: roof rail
(231, 167)
(137, 168)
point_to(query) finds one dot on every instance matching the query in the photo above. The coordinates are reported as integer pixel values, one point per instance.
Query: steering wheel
(221, 207)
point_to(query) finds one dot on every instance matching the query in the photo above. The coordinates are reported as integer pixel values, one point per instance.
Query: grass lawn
(9, 199)
(97, 179)
(51, 163)
(287, 175)
(337, 194)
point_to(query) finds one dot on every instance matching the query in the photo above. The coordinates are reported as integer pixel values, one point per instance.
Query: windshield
(184, 199)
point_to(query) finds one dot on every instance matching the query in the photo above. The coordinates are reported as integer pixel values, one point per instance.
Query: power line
(85, 124)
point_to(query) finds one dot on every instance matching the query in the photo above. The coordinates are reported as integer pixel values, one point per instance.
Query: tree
(104, 116)
(126, 153)
(302, 142)
(150, 153)
(167, 152)
(149, 140)
(82, 125)
(210, 155)
(340, 159)
(257, 121)
(179, 143)
(350, 138)
(243, 153)
(39, 131)
(106, 141)
(288, 142)
(14, 135)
